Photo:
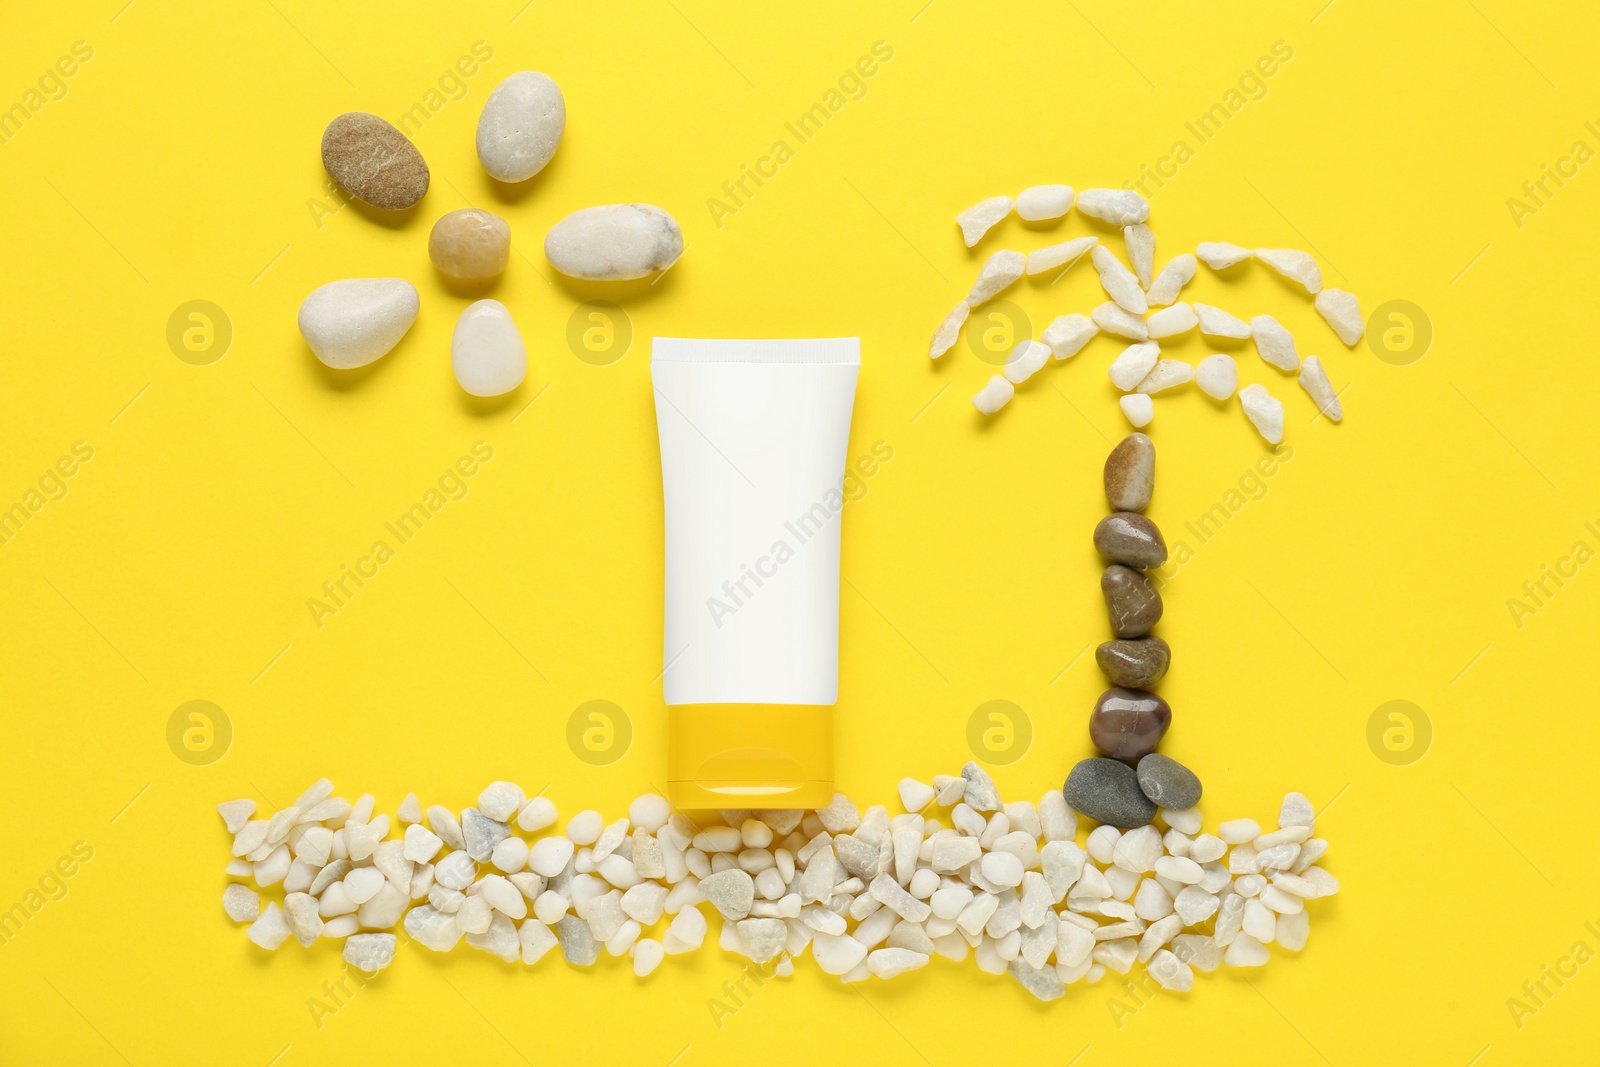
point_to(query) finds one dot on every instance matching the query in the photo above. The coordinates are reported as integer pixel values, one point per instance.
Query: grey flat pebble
(1168, 783)
(480, 834)
(981, 795)
(1108, 791)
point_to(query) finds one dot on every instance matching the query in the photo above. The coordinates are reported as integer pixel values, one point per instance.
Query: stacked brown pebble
(1129, 720)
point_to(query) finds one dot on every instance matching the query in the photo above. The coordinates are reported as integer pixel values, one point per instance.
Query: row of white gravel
(871, 894)
(1131, 313)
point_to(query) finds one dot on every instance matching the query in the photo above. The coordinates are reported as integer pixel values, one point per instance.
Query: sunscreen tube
(753, 439)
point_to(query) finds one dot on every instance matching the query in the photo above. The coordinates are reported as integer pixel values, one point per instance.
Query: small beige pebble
(374, 162)
(470, 245)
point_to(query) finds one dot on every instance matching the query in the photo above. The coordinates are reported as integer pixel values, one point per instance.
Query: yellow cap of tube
(750, 756)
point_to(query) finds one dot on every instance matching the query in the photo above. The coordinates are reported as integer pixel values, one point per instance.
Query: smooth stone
(1131, 601)
(1127, 724)
(1168, 783)
(521, 126)
(470, 245)
(1108, 792)
(614, 242)
(486, 351)
(373, 161)
(353, 322)
(1131, 473)
(1134, 664)
(1129, 538)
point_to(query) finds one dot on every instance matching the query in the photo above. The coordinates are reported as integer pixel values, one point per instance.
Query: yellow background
(182, 164)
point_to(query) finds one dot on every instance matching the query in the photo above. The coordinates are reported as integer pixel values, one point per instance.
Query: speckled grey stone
(577, 941)
(981, 795)
(1168, 783)
(1108, 791)
(481, 833)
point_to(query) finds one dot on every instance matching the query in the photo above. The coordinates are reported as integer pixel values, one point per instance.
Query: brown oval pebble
(1127, 724)
(1131, 473)
(1135, 664)
(373, 161)
(470, 245)
(1128, 537)
(1131, 601)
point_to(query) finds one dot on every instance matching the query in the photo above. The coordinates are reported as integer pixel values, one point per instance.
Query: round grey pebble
(1168, 783)
(1107, 790)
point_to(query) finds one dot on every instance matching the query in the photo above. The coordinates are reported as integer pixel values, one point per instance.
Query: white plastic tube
(753, 439)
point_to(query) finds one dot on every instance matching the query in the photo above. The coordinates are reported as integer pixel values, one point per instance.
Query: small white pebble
(1025, 361)
(1062, 255)
(1136, 361)
(1179, 869)
(944, 338)
(1119, 207)
(1217, 376)
(649, 812)
(241, 903)
(548, 856)
(1113, 319)
(1141, 245)
(584, 828)
(269, 930)
(1120, 283)
(1239, 831)
(1246, 951)
(993, 396)
(1219, 255)
(510, 855)
(1171, 321)
(1314, 380)
(1003, 869)
(1264, 410)
(1207, 848)
(410, 809)
(501, 800)
(998, 273)
(1214, 322)
(235, 813)
(536, 814)
(1292, 930)
(1067, 335)
(914, 795)
(1295, 265)
(1186, 821)
(647, 956)
(1178, 272)
(1274, 343)
(1138, 409)
(1038, 203)
(1342, 311)
(980, 217)
(1167, 374)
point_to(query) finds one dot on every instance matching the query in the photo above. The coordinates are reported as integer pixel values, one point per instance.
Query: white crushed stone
(1342, 311)
(1274, 343)
(1141, 244)
(999, 272)
(1295, 265)
(993, 396)
(1172, 321)
(978, 219)
(1061, 255)
(869, 893)
(1314, 380)
(1120, 283)
(1025, 361)
(1179, 272)
(235, 813)
(1138, 409)
(1264, 410)
(1219, 255)
(1119, 207)
(1167, 374)
(1217, 376)
(944, 338)
(1214, 322)
(1136, 361)
(1114, 320)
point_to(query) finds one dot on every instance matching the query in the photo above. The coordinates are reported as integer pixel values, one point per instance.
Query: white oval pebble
(1171, 321)
(584, 828)
(1038, 203)
(1217, 375)
(489, 359)
(993, 396)
(521, 126)
(537, 814)
(647, 956)
(548, 857)
(614, 242)
(1138, 409)
(353, 322)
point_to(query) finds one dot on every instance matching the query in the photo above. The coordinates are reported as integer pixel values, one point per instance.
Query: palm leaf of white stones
(872, 895)
(1140, 372)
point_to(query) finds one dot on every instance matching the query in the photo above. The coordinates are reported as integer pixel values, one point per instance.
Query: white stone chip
(944, 338)
(369, 953)
(1172, 321)
(241, 903)
(269, 930)
(1214, 322)
(1217, 376)
(1219, 255)
(1179, 272)
(837, 954)
(993, 396)
(1039, 203)
(981, 794)
(686, 932)
(432, 929)
(892, 962)
(421, 844)
(978, 219)
(1061, 255)
(914, 795)
(235, 813)
(1138, 409)
(1295, 265)
(1169, 972)
(1141, 244)
(501, 800)
(1135, 362)
(1113, 319)
(1274, 343)
(1246, 951)
(1264, 410)
(1342, 311)
(1119, 207)
(1167, 374)
(840, 816)
(731, 892)
(1120, 283)
(1025, 361)
(1057, 820)
(1314, 380)
(442, 821)
(998, 273)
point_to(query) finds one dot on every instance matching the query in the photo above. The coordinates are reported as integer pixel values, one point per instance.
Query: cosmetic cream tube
(753, 439)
